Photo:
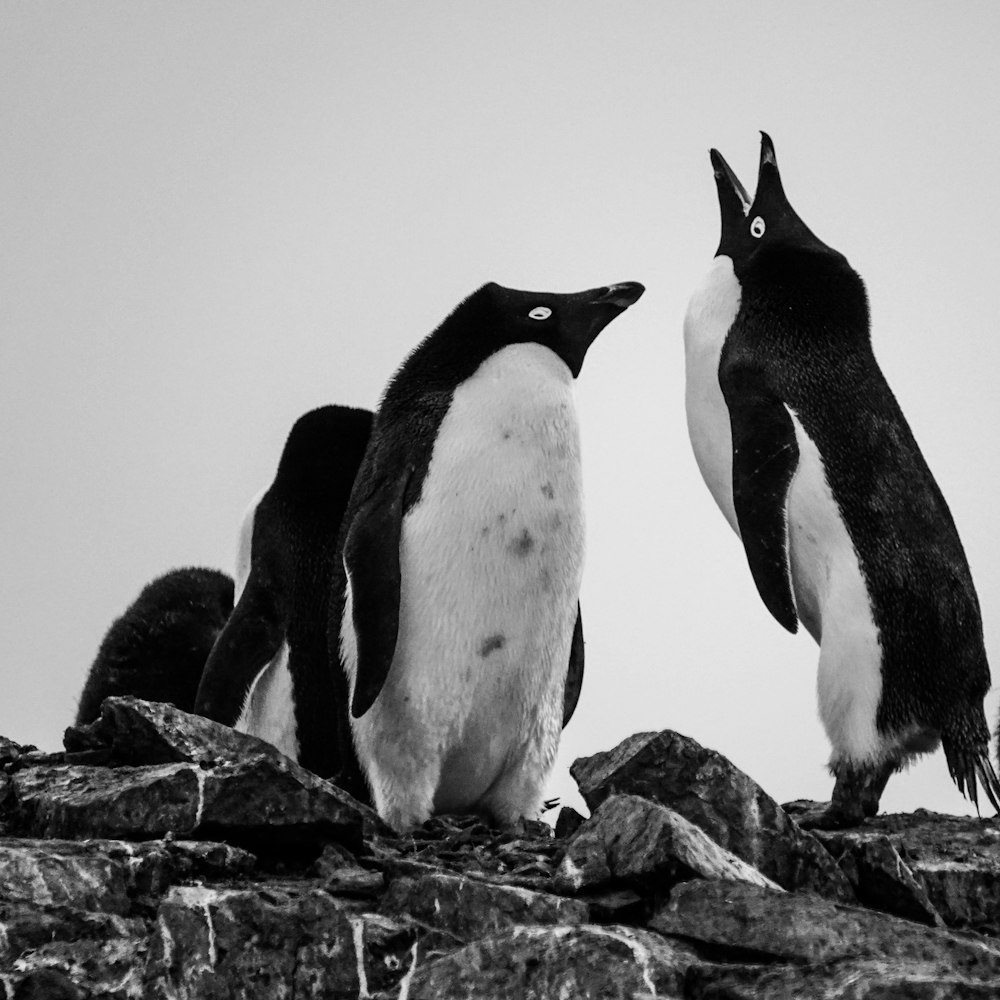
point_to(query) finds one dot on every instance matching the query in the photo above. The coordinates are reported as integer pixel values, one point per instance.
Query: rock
(150, 732)
(332, 904)
(707, 789)
(567, 822)
(881, 879)
(955, 860)
(761, 925)
(845, 980)
(263, 802)
(466, 908)
(647, 845)
(278, 940)
(47, 984)
(603, 963)
(339, 873)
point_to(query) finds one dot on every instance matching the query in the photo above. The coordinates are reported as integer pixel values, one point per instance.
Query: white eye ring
(540, 312)
(757, 227)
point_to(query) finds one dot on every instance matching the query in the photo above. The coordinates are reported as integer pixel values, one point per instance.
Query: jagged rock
(338, 872)
(954, 860)
(466, 908)
(229, 786)
(568, 822)
(711, 792)
(755, 924)
(842, 980)
(649, 846)
(454, 909)
(140, 732)
(602, 963)
(269, 941)
(47, 984)
(881, 878)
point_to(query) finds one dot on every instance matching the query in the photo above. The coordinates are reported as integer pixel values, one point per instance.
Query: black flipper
(248, 642)
(574, 676)
(371, 558)
(765, 457)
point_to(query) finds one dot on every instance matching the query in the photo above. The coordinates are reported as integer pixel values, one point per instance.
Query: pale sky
(216, 216)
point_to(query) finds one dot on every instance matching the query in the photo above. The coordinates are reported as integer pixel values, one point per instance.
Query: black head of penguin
(494, 317)
(774, 252)
(322, 452)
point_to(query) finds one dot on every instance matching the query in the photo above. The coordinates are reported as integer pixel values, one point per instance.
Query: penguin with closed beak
(808, 455)
(457, 615)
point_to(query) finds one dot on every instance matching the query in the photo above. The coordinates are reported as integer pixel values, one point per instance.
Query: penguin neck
(712, 310)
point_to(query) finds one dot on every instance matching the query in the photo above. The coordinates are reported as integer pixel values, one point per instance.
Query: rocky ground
(164, 856)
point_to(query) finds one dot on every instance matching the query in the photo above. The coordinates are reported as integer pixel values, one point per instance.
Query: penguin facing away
(157, 649)
(808, 455)
(267, 674)
(456, 608)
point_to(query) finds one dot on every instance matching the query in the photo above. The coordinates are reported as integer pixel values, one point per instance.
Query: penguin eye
(540, 312)
(757, 228)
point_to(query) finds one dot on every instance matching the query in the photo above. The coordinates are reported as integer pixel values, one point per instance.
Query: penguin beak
(728, 183)
(622, 295)
(734, 204)
(768, 178)
(586, 314)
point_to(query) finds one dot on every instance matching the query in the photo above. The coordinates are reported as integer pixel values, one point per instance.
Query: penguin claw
(990, 782)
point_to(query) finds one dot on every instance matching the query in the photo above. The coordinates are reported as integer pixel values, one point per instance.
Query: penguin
(456, 609)
(267, 674)
(808, 455)
(157, 649)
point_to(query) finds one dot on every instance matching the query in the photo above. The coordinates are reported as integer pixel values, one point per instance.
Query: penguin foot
(827, 816)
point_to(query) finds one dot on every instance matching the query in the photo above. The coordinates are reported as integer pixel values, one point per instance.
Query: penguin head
(322, 453)
(566, 323)
(766, 230)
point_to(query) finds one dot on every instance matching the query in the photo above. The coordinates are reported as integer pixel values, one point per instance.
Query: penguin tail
(969, 768)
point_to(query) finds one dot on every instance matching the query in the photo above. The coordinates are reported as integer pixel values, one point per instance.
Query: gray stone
(802, 928)
(881, 878)
(581, 963)
(266, 803)
(466, 908)
(270, 942)
(707, 789)
(842, 980)
(647, 845)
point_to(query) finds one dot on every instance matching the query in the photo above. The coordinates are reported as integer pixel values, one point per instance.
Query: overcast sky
(216, 216)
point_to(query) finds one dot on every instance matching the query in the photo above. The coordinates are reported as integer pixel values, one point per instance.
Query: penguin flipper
(574, 676)
(765, 457)
(371, 558)
(247, 643)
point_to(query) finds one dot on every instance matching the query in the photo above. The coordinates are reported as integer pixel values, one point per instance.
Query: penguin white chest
(491, 559)
(711, 312)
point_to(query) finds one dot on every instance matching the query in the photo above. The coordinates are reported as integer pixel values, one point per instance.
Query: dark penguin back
(157, 649)
(295, 534)
(803, 326)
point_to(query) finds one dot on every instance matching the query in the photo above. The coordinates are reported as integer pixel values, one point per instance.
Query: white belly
(832, 601)
(491, 560)
(710, 314)
(269, 709)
